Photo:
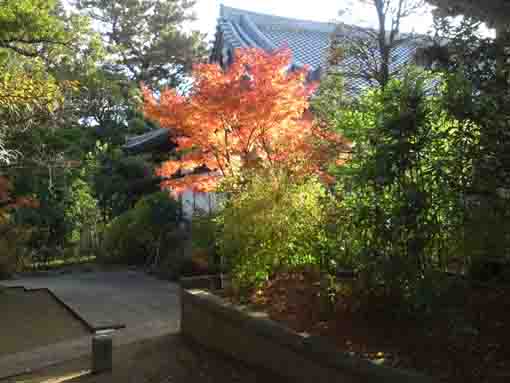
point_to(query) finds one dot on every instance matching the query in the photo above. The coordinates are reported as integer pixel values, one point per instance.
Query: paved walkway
(148, 307)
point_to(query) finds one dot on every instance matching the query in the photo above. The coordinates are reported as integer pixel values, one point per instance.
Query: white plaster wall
(198, 203)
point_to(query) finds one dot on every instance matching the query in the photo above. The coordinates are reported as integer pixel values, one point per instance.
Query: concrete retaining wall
(253, 338)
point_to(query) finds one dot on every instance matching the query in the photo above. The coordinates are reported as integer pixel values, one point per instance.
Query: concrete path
(148, 307)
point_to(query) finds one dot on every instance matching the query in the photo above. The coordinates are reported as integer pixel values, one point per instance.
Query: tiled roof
(309, 40)
(149, 142)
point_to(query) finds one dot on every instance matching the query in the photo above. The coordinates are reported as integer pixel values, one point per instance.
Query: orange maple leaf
(255, 113)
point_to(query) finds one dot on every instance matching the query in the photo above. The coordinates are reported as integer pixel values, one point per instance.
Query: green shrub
(145, 234)
(273, 224)
(204, 250)
(402, 189)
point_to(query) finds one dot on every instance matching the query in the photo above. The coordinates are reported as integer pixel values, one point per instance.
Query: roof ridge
(333, 27)
(227, 12)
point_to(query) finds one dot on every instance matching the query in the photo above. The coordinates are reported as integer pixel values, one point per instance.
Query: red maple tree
(255, 113)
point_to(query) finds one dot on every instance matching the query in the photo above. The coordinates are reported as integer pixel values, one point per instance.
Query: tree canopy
(491, 11)
(30, 25)
(146, 39)
(251, 115)
(28, 91)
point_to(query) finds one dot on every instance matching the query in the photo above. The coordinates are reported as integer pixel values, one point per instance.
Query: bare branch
(370, 51)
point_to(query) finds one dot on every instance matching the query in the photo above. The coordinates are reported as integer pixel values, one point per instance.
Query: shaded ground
(167, 359)
(107, 298)
(463, 342)
(148, 350)
(148, 308)
(34, 319)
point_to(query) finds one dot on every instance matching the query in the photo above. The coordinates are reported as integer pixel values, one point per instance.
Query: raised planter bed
(251, 337)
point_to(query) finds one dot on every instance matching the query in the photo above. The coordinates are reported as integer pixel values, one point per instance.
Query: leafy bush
(204, 241)
(145, 234)
(67, 208)
(273, 224)
(403, 190)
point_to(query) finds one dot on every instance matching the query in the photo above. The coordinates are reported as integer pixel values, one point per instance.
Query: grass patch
(56, 264)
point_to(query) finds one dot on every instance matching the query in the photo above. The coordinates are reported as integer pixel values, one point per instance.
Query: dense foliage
(274, 223)
(145, 38)
(13, 254)
(403, 183)
(479, 94)
(422, 193)
(493, 11)
(118, 181)
(250, 115)
(402, 188)
(425, 189)
(69, 97)
(146, 234)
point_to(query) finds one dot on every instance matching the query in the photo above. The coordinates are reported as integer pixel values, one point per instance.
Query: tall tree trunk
(384, 48)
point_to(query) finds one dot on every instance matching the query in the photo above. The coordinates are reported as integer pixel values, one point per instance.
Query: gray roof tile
(309, 41)
(308, 47)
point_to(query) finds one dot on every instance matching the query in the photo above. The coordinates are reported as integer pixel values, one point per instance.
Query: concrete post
(102, 352)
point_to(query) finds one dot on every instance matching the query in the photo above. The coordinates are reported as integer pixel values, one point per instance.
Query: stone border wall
(254, 339)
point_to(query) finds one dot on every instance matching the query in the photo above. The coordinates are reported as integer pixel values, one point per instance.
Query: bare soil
(467, 342)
